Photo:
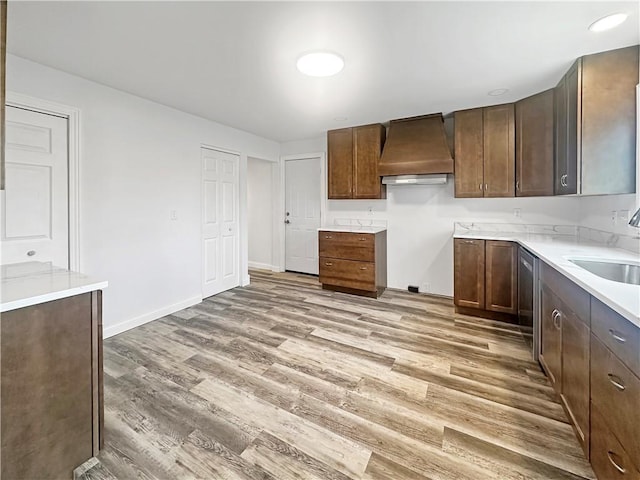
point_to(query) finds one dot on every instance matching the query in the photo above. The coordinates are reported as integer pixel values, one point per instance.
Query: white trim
(263, 266)
(149, 317)
(283, 207)
(72, 114)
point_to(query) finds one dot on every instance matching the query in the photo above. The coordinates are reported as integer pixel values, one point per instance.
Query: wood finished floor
(282, 380)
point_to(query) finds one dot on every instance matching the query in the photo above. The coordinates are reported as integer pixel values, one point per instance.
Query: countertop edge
(350, 229)
(631, 316)
(50, 296)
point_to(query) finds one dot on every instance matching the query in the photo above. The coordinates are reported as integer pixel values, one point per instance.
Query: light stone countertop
(352, 229)
(32, 283)
(556, 250)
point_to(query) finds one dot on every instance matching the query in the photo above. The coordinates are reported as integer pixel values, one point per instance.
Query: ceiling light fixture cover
(320, 64)
(498, 91)
(608, 22)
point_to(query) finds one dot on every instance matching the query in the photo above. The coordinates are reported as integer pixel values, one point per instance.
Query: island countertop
(353, 229)
(32, 283)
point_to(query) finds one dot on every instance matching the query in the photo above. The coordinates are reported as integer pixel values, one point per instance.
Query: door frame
(72, 114)
(239, 211)
(283, 199)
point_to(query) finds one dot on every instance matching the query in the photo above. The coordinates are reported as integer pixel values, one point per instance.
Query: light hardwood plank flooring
(283, 380)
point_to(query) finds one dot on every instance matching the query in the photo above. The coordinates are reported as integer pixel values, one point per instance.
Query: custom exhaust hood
(416, 147)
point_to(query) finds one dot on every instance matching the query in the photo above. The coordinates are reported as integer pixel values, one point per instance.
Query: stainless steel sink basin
(618, 272)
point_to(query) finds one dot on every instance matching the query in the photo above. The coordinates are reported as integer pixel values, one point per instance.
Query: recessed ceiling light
(498, 91)
(320, 64)
(608, 22)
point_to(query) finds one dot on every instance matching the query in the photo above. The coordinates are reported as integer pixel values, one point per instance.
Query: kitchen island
(50, 369)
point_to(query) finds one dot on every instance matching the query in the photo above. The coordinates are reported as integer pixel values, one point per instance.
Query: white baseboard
(149, 317)
(262, 266)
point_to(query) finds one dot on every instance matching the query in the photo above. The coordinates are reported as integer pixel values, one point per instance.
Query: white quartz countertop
(352, 229)
(556, 250)
(32, 283)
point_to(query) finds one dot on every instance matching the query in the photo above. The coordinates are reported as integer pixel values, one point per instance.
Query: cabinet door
(499, 151)
(575, 374)
(551, 338)
(534, 145)
(560, 134)
(502, 277)
(469, 280)
(367, 147)
(608, 121)
(340, 163)
(468, 147)
(570, 183)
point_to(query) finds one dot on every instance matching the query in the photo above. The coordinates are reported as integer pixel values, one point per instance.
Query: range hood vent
(416, 146)
(435, 179)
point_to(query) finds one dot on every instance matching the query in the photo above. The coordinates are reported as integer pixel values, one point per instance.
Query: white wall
(139, 161)
(420, 223)
(598, 212)
(260, 196)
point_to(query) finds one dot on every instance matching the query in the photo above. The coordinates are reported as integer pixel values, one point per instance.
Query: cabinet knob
(616, 381)
(610, 455)
(617, 335)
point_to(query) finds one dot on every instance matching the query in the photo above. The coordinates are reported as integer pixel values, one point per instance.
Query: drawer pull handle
(328, 236)
(362, 239)
(616, 381)
(555, 316)
(469, 242)
(363, 268)
(617, 336)
(610, 455)
(328, 264)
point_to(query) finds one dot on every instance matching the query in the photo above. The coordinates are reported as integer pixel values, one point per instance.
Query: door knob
(287, 221)
(31, 253)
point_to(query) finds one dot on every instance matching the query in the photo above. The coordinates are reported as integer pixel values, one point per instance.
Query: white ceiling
(234, 62)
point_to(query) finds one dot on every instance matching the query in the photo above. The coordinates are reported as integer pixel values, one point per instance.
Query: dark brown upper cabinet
(534, 145)
(595, 124)
(484, 152)
(353, 155)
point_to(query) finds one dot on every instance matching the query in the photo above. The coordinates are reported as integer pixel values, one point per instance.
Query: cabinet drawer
(615, 391)
(608, 458)
(572, 295)
(349, 246)
(347, 273)
(617, 333)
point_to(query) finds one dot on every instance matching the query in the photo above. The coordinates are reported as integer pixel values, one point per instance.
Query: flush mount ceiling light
(608, 22)
(498, 91)
(320, 64)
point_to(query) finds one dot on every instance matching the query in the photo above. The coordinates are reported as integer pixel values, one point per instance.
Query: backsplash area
(555, 232)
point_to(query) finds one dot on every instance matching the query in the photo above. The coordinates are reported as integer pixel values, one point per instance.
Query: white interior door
(35, 208)
(302, 216)
(220, 239)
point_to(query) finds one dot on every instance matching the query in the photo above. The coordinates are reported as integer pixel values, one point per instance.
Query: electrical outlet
(517, 212)
(173, 215)
(614, 217)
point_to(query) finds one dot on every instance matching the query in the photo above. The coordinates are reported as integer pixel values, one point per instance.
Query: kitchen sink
(616, 271)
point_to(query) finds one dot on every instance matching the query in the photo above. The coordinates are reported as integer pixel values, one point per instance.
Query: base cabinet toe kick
(353, 262)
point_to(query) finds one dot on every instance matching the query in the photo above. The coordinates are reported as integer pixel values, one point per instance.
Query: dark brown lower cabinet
(51, 397)
(486, 278)
(551, 338)
(575, 374)
(469, 267)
